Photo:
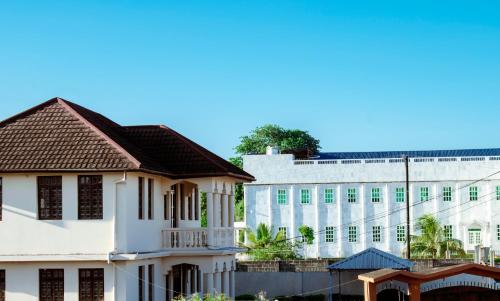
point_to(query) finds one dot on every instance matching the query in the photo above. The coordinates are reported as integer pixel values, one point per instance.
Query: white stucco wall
(275, 172)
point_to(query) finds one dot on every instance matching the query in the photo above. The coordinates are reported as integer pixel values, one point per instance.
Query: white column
(270, 208)
(216, 209)
(231, 210)
(193, 204)
(178, 203)
(170, 292)
(200, 282)
(292, 212)
(210, 219)
(363, 233)
(209, 288)
(318, 234)
(188, 282)
(225, 281)
(195, 281)
(225, 210)
(232, 286)
(217, 282)
(340, 230)
(185, 199)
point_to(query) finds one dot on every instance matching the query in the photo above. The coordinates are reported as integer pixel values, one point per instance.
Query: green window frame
(330, 234)
(400, 194)
(473, 193)
(352, 195)
(281, 196)
(376, 233)
(376, 195)
(329, 195)
(497, 190)
(447, 194)
(448, 232)
(352, 234)
(424, 194)
(400, 233)
(305, 196)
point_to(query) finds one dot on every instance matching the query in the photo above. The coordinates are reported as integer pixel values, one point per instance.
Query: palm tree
(264, 246)
(432, 243)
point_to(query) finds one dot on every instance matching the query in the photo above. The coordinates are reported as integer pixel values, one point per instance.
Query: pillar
(232, 285)
(178, 202)
(195, 281)
(231, 210)
(170, 285)
(217, 282)
(225, 281)
(188, 282)
(216, 215)
(370, 290)
(225, 210)
(209, 288)
(210, 220)
(414, 289)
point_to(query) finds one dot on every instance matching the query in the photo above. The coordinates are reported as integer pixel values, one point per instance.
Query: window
(376, 196)
(329, 196)
(281, 197)
(447, 194)
(1, 203)
(400, 194)
(473, 193)
(283, 230)
(89, 197)
(498, 232)
(150, 198)
(400, 233)
(2, 285)
(141, 283)
(50, 198)
(474, 236)
(51, 282)
(376, 233)
(352, 234)
(166, 206)
(305, 196)
(330, 234)
(424, 194)
(151, 281)
(448, 232)
(141, 198)
(91, 284)
(497, 190)
(351, 195)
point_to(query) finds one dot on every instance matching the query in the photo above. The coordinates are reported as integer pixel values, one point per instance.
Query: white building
(91, 210)
(357, 200)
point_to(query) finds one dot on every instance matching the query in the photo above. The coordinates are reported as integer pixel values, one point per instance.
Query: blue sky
(360, 76)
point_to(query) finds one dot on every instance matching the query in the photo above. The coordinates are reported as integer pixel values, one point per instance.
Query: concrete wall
(274, 172)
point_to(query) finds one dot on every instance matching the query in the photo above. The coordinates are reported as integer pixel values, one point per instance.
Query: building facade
(91, 210)
(354, 201)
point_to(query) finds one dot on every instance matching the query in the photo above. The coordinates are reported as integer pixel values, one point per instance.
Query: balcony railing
(197, 238)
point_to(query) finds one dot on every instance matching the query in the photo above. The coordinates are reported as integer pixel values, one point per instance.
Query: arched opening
(184, 280)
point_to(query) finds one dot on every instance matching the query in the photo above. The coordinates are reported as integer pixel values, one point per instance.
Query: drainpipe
(115, 228)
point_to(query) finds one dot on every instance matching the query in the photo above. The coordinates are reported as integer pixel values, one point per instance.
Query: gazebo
(414, 280)
(368, 260)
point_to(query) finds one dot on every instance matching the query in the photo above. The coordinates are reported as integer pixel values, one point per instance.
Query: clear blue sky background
(378, 75)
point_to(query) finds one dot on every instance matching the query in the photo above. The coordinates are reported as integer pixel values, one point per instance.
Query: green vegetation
(196, 297)
(307, 234)
(431, 243)
(263, 246)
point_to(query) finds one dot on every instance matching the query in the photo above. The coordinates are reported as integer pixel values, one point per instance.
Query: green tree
(307, 234)
(239, 205)
(264, 246)
(431, 243)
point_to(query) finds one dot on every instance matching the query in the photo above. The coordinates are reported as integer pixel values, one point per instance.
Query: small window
(91, 286)
(473, 193)
(447, 194)
(498, 232)
(51, 284)
(400, 233)
(448, 232)
(151, 281)
(400, 194)
(140, 206)
(142, 282)
(281, 197)
(497, 190)
(50, 198)
(376, 233)
(89, 197)
(352, 195)
(329, 195)
(2, 285)
(352, 234)
(283, 230)
(376, 195)
(424, 194)
(305, 196)
(150, 198)
(1, 188)
(330, 234)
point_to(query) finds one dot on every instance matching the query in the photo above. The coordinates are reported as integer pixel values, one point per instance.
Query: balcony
(197, 238)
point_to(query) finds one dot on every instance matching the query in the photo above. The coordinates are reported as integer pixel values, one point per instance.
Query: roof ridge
(66, 105)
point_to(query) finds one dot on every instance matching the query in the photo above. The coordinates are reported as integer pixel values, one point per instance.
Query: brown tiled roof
(58, 135)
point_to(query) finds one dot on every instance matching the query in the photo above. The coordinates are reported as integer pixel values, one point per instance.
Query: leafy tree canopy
(307, 234)
(264, 246)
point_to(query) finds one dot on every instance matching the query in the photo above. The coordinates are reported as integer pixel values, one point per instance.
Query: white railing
(224, 237)
(184, 238)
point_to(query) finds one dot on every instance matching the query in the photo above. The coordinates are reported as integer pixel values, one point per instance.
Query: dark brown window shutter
(51, 284)
(151, 275)
(150, 198)
(90, 197)
(50, 198)
(91, 284)
(2, 285)
(141, 283)
(141, 198)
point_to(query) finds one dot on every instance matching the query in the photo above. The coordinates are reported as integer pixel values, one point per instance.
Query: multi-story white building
(91, 210)
(358, 200)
